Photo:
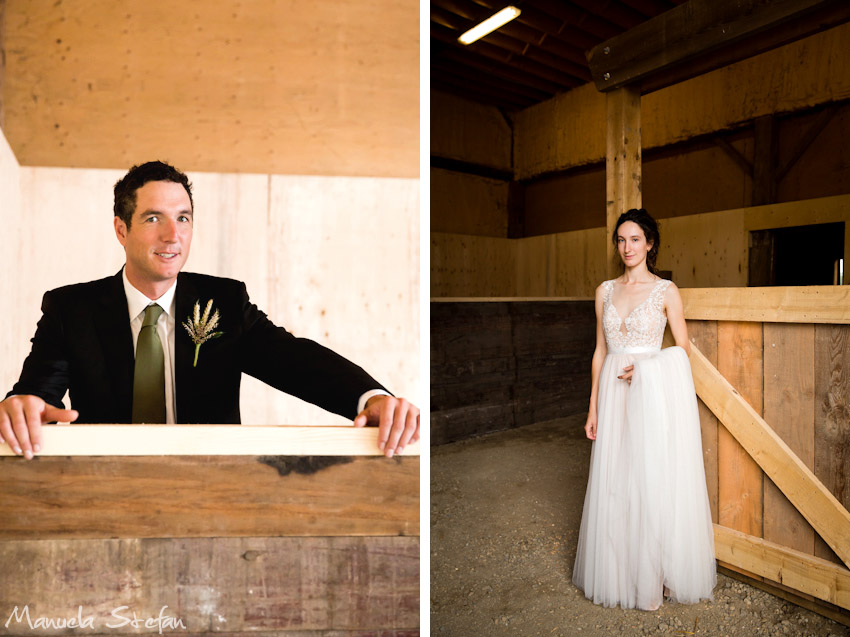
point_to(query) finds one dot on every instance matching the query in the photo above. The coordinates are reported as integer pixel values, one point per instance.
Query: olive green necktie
(149, 374)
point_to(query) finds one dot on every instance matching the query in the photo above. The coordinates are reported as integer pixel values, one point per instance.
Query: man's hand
(21, 418)
(397, 420)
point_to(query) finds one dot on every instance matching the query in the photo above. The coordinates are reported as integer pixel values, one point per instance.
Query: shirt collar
(137, 302)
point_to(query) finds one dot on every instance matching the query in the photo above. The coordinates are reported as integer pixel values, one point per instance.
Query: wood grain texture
(789, 405)
(208, 496)
(622, 163)
(466, 265)
(681, 38)
(800, 75)
(832, 417)
(328, 88)
(208, 440)
(798, 570)
(796, 304)
(808, 494)
(739, 360)
(498, 365)
(218, 585)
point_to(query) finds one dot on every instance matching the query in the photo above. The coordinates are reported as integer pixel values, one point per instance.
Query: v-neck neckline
(626, 318)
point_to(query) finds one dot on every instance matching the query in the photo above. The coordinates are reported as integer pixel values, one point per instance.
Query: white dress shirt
(165, 327)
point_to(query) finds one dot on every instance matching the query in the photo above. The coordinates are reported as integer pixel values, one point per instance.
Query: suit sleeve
(46, 371)
(299, 366)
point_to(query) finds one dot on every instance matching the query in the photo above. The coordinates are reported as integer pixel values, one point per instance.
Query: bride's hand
(590, 426)
(628, 375)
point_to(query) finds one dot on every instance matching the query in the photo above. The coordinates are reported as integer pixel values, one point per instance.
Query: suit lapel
(116, 339)
(184, 299)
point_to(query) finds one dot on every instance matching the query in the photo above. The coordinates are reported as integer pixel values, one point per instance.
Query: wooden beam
(207, 496)
(702, 35)
(622, 164)
(217, 586)
(800, 571)
(791, 304)
(733, 153)
(805, 491)
(469, 168)
(208, 440)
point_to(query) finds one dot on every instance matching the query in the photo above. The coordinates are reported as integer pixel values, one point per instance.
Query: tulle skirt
(646, 522)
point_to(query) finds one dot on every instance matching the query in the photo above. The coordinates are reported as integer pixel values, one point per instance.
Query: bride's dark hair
(650, 231)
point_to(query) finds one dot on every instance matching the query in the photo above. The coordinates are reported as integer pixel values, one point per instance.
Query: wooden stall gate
(773, 366)
(209, 529)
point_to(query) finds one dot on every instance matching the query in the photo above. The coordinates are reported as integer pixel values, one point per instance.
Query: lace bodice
(644, 327)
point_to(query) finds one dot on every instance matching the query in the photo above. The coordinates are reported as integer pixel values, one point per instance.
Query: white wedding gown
(646, 521)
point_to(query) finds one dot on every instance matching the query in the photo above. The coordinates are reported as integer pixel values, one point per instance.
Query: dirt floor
(505, 513)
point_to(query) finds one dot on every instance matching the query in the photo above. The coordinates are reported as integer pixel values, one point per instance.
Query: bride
(646, 529)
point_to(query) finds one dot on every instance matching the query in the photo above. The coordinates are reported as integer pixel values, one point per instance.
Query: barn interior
(726, 121)
(298, 125)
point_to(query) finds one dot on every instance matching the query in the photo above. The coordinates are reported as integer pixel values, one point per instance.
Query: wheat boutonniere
(201, 328)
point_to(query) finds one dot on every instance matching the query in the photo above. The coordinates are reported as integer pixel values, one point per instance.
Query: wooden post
(622, 163)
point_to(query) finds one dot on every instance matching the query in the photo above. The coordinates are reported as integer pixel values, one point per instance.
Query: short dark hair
(650, 231)
(138, 176)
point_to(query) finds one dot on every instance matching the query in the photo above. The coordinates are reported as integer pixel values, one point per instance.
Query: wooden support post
(622, 163)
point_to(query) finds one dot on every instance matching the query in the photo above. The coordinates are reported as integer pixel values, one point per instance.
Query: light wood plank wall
(802, 74)
(704, 250)
(305, 246)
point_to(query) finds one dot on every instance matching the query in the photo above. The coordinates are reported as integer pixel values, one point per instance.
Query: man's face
(158, 239)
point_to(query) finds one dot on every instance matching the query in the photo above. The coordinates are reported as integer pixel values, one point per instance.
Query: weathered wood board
(286, 586)
(208, 496)
(739, 359)
(832, 417)
(498, 365)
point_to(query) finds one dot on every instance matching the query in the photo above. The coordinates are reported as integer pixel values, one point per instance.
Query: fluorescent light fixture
(489, 25)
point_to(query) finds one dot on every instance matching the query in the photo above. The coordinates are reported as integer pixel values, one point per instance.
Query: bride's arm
(596, 367)
(676, 317)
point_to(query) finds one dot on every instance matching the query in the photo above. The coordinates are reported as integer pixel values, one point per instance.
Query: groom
(120, 347)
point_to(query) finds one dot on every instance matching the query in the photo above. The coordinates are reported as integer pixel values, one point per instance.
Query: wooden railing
(229, 528)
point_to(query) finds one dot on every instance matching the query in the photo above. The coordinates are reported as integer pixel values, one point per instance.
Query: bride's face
(632, 244)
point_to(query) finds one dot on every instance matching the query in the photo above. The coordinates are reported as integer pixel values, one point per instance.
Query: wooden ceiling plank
(701, 31)
(524, 32)
(480, 63)
(579, 18)
(567, 36)
(533, 52)
(518, 62)
(449, 19)
(471, 11)
(649, 8)
(617, 13)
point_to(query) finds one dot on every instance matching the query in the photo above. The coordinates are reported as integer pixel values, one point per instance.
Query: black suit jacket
(83, 343)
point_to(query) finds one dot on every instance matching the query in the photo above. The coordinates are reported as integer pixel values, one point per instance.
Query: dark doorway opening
(801, 255)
